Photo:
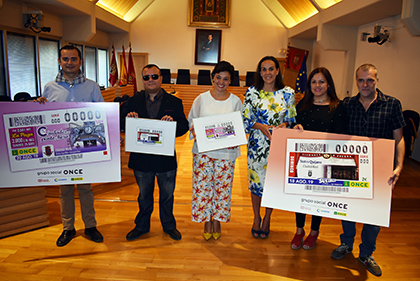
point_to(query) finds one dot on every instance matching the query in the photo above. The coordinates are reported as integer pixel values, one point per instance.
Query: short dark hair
(70, 47)
(259, 82)
(366, 67)
(22, 96)
(150, 66)
(308, 99)
(223, 66)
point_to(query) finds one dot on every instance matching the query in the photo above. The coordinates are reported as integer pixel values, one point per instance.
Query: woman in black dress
(320, 110)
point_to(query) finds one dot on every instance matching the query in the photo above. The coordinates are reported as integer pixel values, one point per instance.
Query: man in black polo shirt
(371, 114)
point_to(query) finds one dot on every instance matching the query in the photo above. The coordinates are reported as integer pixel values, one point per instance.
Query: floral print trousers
(212, 188)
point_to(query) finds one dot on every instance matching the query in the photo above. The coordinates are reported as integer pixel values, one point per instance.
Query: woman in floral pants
(213, 170)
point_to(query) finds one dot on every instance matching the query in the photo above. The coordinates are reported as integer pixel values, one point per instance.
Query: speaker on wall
(410, 16)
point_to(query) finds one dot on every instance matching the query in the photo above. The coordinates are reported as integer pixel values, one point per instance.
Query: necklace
(319, 101)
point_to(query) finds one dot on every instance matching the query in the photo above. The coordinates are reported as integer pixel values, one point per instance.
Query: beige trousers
(68, 208)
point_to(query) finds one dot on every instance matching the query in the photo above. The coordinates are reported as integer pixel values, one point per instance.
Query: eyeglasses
(154, 77)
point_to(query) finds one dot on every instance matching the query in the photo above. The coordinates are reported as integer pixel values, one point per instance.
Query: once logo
(338, 205)
(25, 151)
(73, 172)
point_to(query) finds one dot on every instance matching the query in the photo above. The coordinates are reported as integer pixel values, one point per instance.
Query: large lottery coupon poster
(330, 175)
(334, 168)
(59, 143)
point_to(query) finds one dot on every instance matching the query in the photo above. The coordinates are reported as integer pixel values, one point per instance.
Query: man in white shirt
(71, 85)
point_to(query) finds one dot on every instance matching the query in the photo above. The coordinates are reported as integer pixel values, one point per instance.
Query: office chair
(203, 77)
(183, 77)
(250, 76)
(166, 75)
(235, 79)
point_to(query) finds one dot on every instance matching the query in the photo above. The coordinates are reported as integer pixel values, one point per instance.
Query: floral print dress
(268, 108)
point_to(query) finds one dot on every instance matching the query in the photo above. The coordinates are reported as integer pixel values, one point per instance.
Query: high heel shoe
(216, 235)
(297, 241)
(207, 235)
(310, 241)
(256, 233)
(264, 234)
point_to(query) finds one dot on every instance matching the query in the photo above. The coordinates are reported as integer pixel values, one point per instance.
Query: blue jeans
(369, 235)
(146, 183)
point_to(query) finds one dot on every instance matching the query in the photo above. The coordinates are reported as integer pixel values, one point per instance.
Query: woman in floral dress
(213, 170)
(268, 104)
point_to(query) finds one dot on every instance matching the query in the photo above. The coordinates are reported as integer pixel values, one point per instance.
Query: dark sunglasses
(154, 77)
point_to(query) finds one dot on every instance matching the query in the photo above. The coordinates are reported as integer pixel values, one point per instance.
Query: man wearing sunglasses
(154, 103)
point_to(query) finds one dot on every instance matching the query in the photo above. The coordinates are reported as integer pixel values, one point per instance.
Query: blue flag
(302, 78)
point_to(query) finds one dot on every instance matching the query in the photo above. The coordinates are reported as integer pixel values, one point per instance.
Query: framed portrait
(209, 13)
(207, 46)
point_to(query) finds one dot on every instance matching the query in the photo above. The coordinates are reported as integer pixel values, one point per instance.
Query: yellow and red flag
(123, 77)
(131, 73)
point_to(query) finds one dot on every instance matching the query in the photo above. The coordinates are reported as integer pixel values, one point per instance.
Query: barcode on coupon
(27, 120)
(317, 188)
(64, 158)
(311, 147)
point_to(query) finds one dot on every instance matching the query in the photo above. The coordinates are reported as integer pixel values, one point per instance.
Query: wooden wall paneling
(109, 94)
(22, 209)
(290, 76)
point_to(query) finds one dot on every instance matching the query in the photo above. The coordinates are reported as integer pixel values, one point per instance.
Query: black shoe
(94, 234)
(134, 234)
(371, 265)
(174, 234)
(341, 251)
(65, 237)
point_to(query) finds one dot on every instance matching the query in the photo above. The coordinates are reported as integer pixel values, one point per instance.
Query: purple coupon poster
(59, 143)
